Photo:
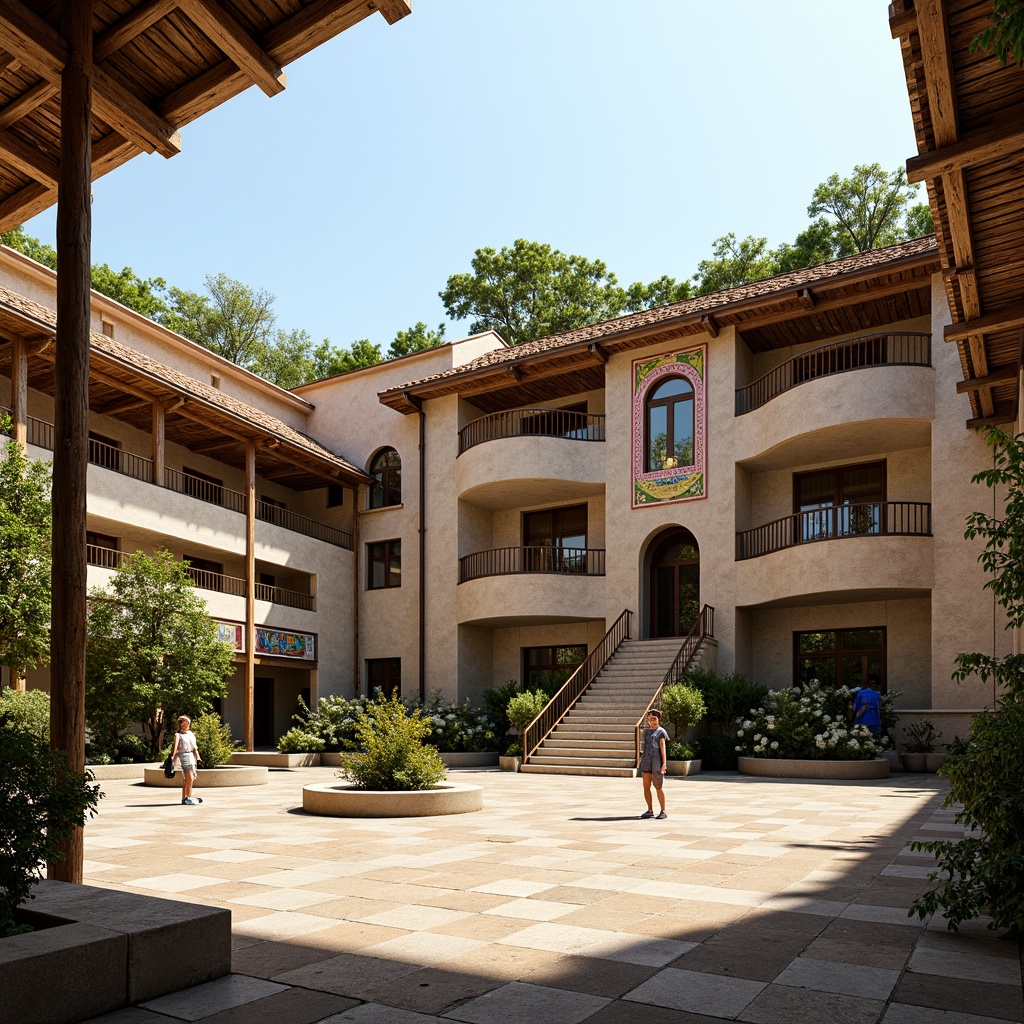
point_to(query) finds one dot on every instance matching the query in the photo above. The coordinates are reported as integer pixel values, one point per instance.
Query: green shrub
(334, 721)
(298, 741)
(514, 749)
(496, 703)
(524, 707)
(679, 751)
(29, 711)
(394, 756)
(682, 706)
(921, 737)
(213, 738)
(126, 749)
(41, 803)
(458, 728)
(717, 753)
(726, 698)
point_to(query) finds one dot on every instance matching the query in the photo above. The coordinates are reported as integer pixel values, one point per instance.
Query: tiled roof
(700, 304)
(179, 381)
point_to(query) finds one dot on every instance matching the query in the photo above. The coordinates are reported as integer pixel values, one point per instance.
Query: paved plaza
(757, 900)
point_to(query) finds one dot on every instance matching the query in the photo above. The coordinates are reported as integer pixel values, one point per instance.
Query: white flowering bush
(809, 724)
(458, 728)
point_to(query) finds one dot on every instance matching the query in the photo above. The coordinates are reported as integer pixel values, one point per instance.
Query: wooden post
(159, 445)
(19, 388)
(357, 494)
(250, 592)
(71, 409)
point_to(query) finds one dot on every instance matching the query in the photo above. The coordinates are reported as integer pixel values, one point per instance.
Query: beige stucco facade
(471, 603)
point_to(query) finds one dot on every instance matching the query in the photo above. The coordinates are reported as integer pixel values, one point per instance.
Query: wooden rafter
(1004, 138)
(1002, 320)
(28, 101)
(1003, 375)
(130, 26)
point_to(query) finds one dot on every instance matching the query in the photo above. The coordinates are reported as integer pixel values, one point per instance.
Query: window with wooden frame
(384, 565)
(843, 501)
(555, 539)
(384, 674)
(386, 468)
(840, 657)
(551, 666)
(668, 422)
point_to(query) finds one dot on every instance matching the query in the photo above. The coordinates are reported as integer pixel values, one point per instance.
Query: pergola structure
(85, 85)
(968, 111)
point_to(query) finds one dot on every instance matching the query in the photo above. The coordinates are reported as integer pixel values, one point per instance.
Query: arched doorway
(675, 584)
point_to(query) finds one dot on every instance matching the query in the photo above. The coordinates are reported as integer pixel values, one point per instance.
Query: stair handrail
(562, 702)
(702, 628)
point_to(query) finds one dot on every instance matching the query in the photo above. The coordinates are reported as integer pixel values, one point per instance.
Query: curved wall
(529, 598)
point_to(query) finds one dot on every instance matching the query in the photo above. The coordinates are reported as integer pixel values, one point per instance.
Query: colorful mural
(232, 634)
(300, 646)
(681, 476)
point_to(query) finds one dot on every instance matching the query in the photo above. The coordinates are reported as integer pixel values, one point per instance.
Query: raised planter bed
(481, 759)
(212, 778)
(782, 768)
(691, 767)
(340, 800)
(273, 759)
(98, 950)
(106, 772)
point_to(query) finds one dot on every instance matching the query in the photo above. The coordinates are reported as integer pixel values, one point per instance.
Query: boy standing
(866, 706)
(653, 763)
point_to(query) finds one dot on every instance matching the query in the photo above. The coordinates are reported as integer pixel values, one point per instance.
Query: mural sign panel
(282, 644)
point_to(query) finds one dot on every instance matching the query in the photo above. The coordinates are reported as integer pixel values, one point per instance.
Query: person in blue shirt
(866, 706)
(653, 763)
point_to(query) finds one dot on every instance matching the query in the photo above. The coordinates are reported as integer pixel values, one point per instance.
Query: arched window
(668, 421)
(387, 488)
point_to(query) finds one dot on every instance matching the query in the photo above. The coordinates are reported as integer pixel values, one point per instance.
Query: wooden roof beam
(979, 147)
(394, 10)
(122, 405)
(42, 48)
(1004, 375)
(131, 25)
(1001, 320)
(29, 161)
(710, 324)
(233, 40)
(806, 298)
(27, 102)
(1005, 412)
(937, 58)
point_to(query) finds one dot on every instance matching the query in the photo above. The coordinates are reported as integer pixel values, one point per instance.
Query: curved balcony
(561, 423)
(512, 561)
(898, 349)
(870, 519)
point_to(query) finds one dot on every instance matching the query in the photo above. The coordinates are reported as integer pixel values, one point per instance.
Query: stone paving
(780, 902)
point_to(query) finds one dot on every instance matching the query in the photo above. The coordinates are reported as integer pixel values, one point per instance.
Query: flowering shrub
(808, 724)
(331, 727)
(458, 728)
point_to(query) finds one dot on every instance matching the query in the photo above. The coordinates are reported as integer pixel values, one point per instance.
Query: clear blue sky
(635, 133)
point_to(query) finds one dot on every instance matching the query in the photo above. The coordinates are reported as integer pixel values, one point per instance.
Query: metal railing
(561, 703)
(105, 558)
(302, 524)
(701, 630)
(510, 561)
(204, 490)
(111, 457)
(37, 432)
(289, 598)
(867, 519)
(203, 579)
(902, 349)
(573, 426)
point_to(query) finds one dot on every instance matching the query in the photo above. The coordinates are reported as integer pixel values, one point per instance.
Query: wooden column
(250, 591)
(357, 495)
(71, 409)
(158, 444)
(19, 388)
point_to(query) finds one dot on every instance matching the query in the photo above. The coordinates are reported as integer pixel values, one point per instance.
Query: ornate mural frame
(680, 483)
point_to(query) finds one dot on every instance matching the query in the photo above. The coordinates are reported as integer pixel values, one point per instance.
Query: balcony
(546, 560)
(899, 349)
(117, 460)
(870, 519)
(108, 558)
(560, 423)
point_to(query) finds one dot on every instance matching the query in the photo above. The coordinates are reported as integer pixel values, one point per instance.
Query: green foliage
(496, 705)
(725, 697)
(921, 737)
(144, 295)
(298, 741)
(128, 748)
(417, 338)
(41, 803)
(735, 263)
(682, 706)
(984, 873)
(26, 517)
(717, 753)
(213, 738)
(458, 728)
(28, 711)
(524, 707)
(808, 723)
(151, 649)
(514, 749)
(680, 751)
(1005, 36)
(333, 723)
(394, 756)
(30, 247)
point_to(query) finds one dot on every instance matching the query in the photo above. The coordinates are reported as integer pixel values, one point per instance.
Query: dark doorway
(675, 585)
(263, 713)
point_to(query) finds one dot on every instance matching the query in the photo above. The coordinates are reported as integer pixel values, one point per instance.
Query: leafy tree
(662, 292)
(144, 295)
(30, 247)
(919, 221)
(682, 706)
(26, 516)
(814, 245)
(984, 872)
(532, 290)
(417, 338)
(28, 711)
(151, 650)
(735, 263)
(1005, 36)
(41, 804)
(361, 354)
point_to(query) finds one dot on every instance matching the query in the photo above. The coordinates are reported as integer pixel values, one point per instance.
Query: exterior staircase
(597, 736)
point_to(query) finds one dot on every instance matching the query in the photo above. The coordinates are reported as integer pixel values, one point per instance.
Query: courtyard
(757, 900)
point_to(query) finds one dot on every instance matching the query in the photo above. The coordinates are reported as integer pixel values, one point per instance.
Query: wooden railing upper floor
(904, 348)
(573, 426)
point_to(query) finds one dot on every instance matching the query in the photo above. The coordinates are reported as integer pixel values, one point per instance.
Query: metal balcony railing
(511, 561)
(573, 426)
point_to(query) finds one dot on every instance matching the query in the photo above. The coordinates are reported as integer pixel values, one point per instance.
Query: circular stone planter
(343, 801)
(782, 768)
(106, 772)
(481, 759)
(212, 778)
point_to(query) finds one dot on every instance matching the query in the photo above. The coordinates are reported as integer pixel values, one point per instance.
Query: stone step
(582, 762)
(552, 769)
